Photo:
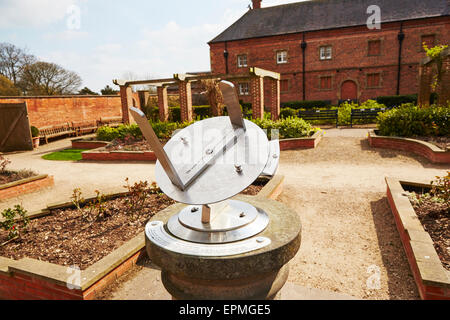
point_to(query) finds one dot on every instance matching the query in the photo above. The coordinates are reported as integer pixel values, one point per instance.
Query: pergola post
(425, 76)
(275, 99)
(444, 88)
(257, 93)
(126, 98)
(163, 103)
(185, 101)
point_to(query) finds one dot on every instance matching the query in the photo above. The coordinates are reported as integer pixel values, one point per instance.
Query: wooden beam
(264, 73)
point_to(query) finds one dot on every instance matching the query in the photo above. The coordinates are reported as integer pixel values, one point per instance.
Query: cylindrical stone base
(258, 274)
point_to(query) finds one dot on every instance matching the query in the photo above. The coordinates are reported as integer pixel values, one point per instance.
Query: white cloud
(20, 13)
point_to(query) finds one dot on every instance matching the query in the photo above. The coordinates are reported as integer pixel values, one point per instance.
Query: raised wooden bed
(33, 279)
(432, 279)
(23, 186)
(422, 148)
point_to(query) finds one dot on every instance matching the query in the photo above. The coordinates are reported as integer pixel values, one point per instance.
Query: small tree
(87, 92)
(434, 53)
(108, 91)
(214, 95)
(7, 87)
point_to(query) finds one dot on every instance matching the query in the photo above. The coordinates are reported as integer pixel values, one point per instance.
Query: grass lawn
(65, 155)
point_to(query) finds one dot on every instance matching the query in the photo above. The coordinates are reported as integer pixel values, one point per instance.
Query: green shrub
(202, 111)
(175, 114)
(288, 112)
(34, 131)
(291, 127)
(395, 101)
(410, 120)
(311, 104)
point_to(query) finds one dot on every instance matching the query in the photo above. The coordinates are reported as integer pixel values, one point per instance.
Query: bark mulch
(11, 176)
(435, 218)
(73, 237)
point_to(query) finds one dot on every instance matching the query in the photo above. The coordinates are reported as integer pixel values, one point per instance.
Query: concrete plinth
(258, 274)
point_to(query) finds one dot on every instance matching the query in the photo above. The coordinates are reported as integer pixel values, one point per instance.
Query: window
(429, 40)
(374, 48)
(325, 53)
(373, 80)
(282, 57)
(243, 89)
(326, 83)
(284, 85)
(242, 60)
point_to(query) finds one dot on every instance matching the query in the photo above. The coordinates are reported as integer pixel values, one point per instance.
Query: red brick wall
(28, 187)
(350, 57)
(46, 111)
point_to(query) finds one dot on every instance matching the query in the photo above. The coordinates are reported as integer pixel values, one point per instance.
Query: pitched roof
(326, 14)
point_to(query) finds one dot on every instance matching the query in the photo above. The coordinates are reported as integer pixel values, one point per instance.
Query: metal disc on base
(238, 221)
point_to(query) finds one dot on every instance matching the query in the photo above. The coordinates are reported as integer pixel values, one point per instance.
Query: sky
(102, 40)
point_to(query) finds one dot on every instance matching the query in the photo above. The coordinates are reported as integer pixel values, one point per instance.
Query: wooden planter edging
(432, 279)
(88, 144)
(422, 148)
(301, 143)
(23, 186)
(33, 279)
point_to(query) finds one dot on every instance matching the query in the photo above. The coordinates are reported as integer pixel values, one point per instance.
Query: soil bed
(130, 144)
(441, 142)
(66, 238)
(435, 218)
(11, 176)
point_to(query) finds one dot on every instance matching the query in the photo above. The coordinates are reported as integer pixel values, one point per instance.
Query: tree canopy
(7, 88)
(108, 91)
(44, 78)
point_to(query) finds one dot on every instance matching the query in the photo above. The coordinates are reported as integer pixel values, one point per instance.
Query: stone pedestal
(257, 274)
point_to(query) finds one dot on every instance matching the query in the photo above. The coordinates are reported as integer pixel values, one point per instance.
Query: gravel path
(338, 190)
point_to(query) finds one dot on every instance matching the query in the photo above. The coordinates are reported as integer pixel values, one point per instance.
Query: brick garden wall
(350, 59)
(46, 111)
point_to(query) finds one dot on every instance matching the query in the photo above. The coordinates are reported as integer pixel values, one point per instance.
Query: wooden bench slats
(319, 115)
(110, 121)
(363, 114)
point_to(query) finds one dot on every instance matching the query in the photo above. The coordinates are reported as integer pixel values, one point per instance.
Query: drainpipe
(304, 45)
(401, 37)
(225, 55)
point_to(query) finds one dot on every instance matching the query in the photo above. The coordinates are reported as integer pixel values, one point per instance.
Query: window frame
(380, 81)
(324, 58)
(241, 92)
(285, 54)
(239, 60)
(331, 82)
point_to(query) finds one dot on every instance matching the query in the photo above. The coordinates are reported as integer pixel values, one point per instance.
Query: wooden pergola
(255, 77)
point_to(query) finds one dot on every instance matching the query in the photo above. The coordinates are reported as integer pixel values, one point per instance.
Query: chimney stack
(256, 4)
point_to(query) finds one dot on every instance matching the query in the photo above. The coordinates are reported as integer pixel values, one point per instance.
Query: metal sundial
(203, 166)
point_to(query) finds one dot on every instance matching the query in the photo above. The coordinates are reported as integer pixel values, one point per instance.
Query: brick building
(324, 49)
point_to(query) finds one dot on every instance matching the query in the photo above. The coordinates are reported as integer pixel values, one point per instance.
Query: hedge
(307, 104)
(410, 120)
(396, 101)
(288, 128)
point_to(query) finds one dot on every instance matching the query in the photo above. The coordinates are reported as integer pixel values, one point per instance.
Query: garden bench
(362, 114)
(81, 127)
(319, 115)
(110, 121)
(56, 131)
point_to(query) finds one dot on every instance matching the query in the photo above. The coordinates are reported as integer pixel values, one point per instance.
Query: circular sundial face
(231, 160)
